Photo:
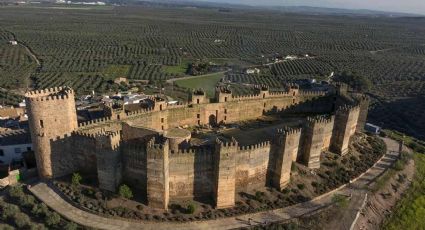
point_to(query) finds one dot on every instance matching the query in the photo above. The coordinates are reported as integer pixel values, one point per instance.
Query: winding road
(356, 190)
(30, 52)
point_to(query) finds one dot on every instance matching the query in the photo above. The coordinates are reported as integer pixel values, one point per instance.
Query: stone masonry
(145, 150)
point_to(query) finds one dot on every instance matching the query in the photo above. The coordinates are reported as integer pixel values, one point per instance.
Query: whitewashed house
(12, 144)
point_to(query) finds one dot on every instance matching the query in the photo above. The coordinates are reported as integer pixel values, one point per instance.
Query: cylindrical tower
(51, 114)
(177, 137)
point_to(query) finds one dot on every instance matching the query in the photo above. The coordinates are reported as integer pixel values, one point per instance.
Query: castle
(144, 148)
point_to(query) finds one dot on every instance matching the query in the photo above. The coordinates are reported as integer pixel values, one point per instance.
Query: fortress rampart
(142, 149)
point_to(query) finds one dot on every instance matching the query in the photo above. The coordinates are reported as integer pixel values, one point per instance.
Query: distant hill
(286, 9)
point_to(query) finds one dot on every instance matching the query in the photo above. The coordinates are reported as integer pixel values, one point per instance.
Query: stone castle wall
(129, 147)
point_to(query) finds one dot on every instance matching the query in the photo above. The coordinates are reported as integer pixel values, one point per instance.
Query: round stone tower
(177, 138)
(51, 114)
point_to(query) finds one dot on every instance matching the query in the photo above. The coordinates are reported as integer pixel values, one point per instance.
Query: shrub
(21, 220)
(190, 209)
(71, 226)
(52, 219)
(76, 179)
(27, 201)
(340, 200)
(301, 186)
(259, 196)
(6, 227)
(125, 192)
(9, 210)
(16, 191)
(39, 209)
(34, 226)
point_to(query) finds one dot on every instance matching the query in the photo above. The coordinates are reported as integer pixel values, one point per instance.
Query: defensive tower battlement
(57, 93)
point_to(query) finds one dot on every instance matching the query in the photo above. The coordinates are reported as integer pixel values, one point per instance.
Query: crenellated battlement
(289, 131)
(291, 85)
(139, 112)
(321, 119)
(157, 143)
(279, 94)
(246, 97)
(232, 143)
(312, 93)
(50, 94)
(261, 87)
(199, 92)
(177, 105)
(86, 135)
(192, 151)
(94, 122)
(261, 145)
(61, 137)
(348, 108)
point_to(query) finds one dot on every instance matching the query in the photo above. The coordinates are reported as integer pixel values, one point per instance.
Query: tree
(21, 220)
(357, 82)
(125, 192)
(76, 179)
(52, 219)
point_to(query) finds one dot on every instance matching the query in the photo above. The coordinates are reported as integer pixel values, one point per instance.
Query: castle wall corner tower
(51, 114)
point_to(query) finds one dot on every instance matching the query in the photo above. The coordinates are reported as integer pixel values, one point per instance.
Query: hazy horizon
(407, 6)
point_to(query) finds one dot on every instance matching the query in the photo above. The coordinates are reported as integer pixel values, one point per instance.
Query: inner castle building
(148, 151)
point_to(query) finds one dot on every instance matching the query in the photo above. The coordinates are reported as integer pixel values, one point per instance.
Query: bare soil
(381, 202)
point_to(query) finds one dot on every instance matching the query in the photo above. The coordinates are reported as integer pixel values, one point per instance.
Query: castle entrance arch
(212, 120)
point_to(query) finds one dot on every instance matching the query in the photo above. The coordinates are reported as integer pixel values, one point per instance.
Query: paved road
(54, 201)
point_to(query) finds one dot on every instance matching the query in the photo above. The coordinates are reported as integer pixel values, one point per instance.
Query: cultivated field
(86, 48)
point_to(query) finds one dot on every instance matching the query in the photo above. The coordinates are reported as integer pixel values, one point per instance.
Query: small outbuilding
(371, 128)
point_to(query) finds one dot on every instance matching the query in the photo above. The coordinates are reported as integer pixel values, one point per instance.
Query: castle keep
(148, 151)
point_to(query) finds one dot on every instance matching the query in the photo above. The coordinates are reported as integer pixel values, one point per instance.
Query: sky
(407, 6)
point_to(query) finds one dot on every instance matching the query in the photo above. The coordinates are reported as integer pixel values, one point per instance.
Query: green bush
(76, 179)
(40, 210)
(52, 219)
(191, 209)
(125, 192)
(71, 226)
(301, 186)
(6, 227)
(27, 201)
(16, 191)
(259, 196)
(35, 226)
(340, 200)
(21, 220)
(8, 211)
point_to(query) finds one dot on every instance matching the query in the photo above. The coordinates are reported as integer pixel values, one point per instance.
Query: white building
(253, 71)
(134, 99)
(13, 43)
(290, 57)
(13, 144)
